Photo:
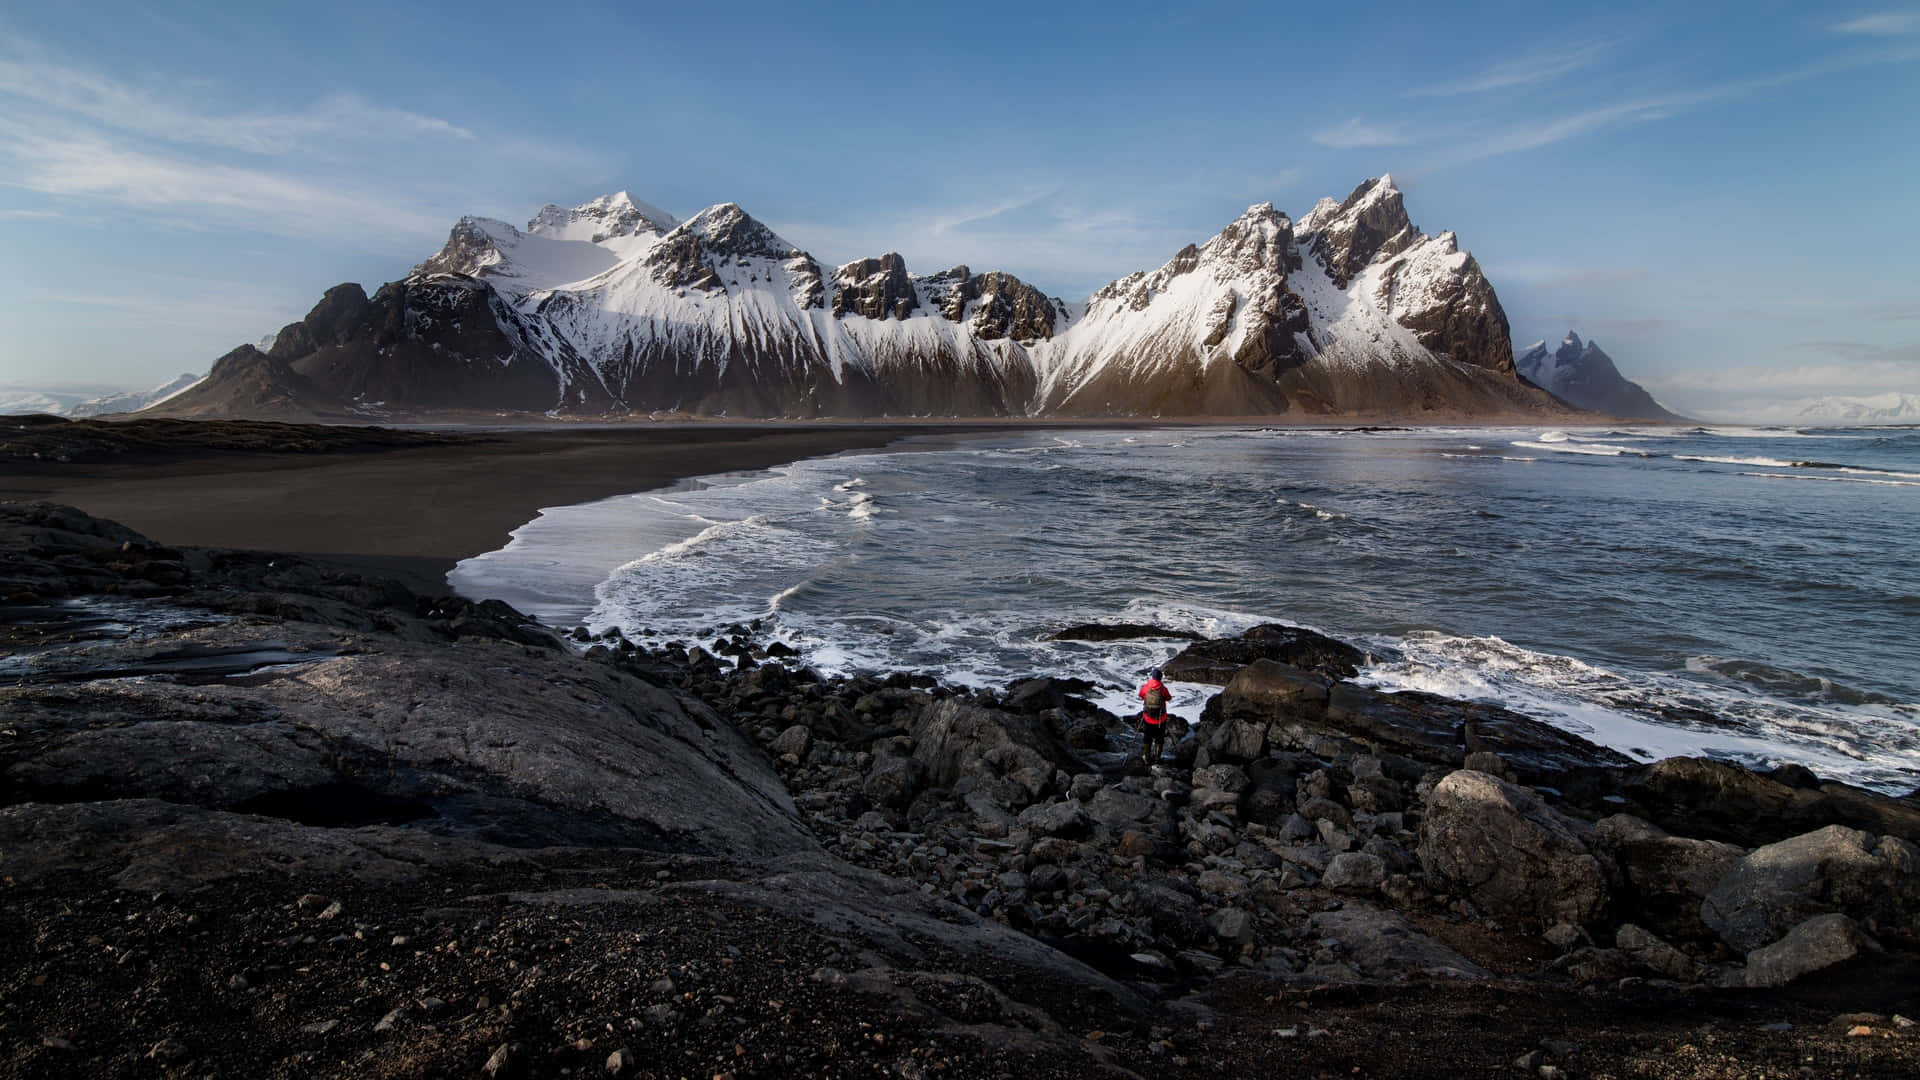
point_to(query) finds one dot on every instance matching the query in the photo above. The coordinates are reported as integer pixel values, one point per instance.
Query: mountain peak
(604, 218)
(1572, 340)
(1371, 221)
(726, 229)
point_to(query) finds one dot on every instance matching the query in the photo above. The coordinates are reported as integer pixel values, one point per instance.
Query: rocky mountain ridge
(1585, 377)
(616, 307)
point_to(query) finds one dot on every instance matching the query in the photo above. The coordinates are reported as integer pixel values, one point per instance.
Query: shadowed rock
(1509, 851)
(1218, 660)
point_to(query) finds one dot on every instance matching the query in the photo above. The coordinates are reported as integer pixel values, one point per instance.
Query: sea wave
(1590, 449)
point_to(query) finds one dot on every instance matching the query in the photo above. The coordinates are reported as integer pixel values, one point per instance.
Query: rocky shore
(261, 816)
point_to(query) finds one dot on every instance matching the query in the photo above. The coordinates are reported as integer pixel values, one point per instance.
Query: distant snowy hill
(1891, 407)
(1584, 376)
(17, 402)
(132, 400)
(615, 306)
(74, 403)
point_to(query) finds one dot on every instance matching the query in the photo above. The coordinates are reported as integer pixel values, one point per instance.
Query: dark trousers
(1153, 738)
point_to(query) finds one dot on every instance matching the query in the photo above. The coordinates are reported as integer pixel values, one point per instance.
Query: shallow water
(1749, 593)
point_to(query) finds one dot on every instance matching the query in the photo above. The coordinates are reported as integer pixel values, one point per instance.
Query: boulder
(1218, 661)
(1819, 942)
(954, 738)
(1117, 808)
(795, 740)
(1062, 819)
(1664, 878)
(1355, 872)
(1227, 778)
(1835, 869)
(1383, 945)
(1647, 949)
(1511, 853)
(1170, 907)
(892, 782)
(1235, 741)
(1722, 801)
(1267, 690)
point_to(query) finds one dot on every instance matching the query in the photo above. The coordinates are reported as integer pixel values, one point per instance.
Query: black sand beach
(407, 511)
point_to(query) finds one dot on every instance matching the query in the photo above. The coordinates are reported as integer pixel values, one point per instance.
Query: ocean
(1751, 594)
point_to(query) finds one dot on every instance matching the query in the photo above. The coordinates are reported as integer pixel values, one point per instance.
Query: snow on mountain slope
(1356, 311)
(1181, 338)
(131, 400)
(613, 306)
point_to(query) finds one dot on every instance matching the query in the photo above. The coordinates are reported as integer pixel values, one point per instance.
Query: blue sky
(1722, 195)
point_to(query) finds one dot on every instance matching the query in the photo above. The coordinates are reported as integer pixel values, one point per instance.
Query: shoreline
(413, 512)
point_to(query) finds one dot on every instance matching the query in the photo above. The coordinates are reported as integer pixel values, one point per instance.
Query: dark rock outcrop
(1218, 660)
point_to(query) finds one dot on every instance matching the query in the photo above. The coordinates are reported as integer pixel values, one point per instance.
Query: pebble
(497, 1064)
(390, 1021)
(620, 1062)
(320, 1027)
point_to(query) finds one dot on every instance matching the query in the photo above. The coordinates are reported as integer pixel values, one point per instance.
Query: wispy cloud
(124, 107)
(1528, 70)
(181, 155)
(1884, 24)
(93, 168)
(1660, 106)
(1358, 134)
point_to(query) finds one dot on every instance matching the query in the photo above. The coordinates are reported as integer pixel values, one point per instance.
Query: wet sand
(412, 513)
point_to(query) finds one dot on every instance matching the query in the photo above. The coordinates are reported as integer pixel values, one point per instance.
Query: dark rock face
(1721, 801)
(1370, 222)
(1217, 661)
(1003, 306)
(876, 288)
(1464, 321)
(448, 343)
(1585, 377)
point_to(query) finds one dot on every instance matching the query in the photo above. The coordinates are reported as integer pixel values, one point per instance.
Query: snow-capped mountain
(90, 403)
(133, 400)
(615, 306)
(16, 401)
(1584, 376)
(1892, 407)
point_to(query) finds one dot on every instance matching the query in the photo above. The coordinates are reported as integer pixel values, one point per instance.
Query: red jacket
(1152, 684)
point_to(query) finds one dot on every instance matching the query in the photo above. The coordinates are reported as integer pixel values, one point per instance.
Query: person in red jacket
(1154, 696)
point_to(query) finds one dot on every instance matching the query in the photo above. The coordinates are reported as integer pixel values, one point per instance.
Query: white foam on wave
(1837, 479)
(1875, 745)
(1768, 433)
(1591, 449)
(1773, 463)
